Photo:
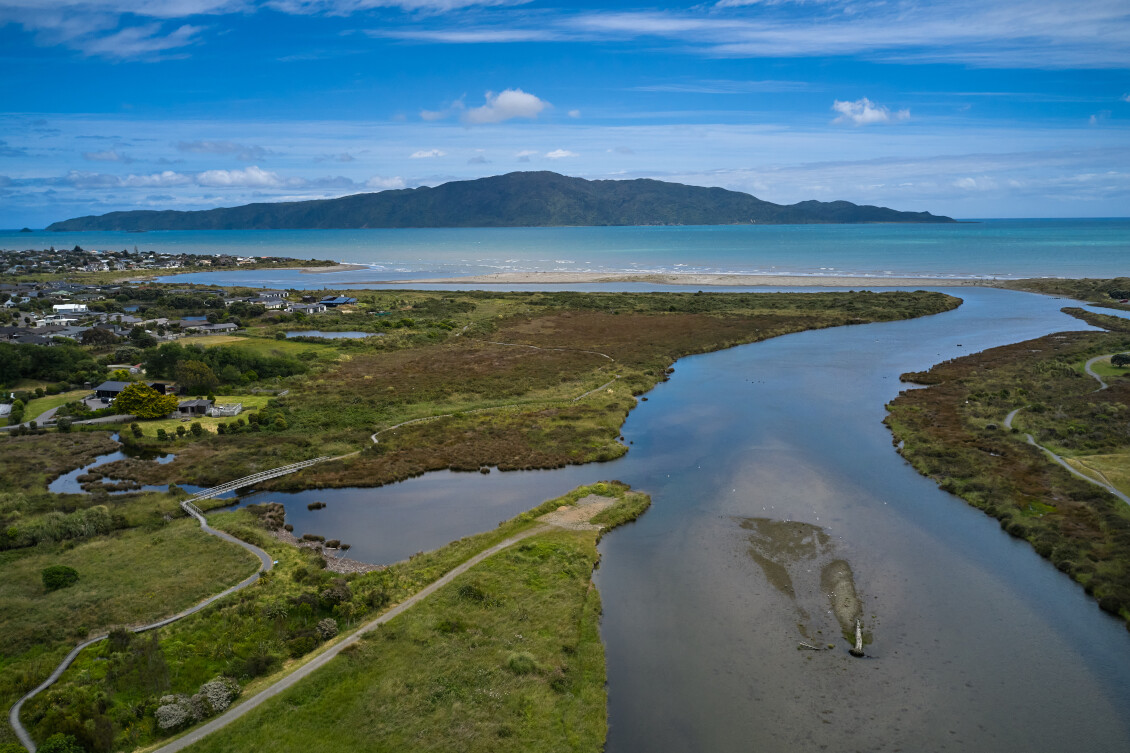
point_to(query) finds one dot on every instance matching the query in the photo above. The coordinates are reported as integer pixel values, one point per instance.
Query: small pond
(68, 483)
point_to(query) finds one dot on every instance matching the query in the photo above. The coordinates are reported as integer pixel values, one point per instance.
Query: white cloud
(1099, 117)
(1125, 97)
(507, 104)
(561, 154)
(525, 154)
(574, 113)
(430, 115)
(382, 183)
(164, 178)
(427, 154)
(110, 155)
(251, 177)
(244, 152)
(865, 112)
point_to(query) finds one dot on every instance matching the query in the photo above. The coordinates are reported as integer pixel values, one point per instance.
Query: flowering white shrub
(327, 628)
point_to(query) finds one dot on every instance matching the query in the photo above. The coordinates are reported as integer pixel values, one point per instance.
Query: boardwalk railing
(255, 478)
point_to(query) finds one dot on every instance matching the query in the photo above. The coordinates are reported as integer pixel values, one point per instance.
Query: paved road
(265, 564)
(324, 658)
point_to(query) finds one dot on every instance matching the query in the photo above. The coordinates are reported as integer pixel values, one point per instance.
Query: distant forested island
(521, 199)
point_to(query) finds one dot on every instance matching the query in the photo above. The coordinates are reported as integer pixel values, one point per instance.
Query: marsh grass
(953, 432)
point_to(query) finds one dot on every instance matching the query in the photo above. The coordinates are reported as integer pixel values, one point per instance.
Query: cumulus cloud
(574, 113)
(245, 152)
(1126, 97)
(561, 154)
(1099, 117)
(506, 105)
(865, 112)
(525, 154)
(251, 177)
(110, 155)
(427, 154)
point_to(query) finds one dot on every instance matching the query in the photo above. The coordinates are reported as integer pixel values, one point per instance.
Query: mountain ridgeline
(523, 199)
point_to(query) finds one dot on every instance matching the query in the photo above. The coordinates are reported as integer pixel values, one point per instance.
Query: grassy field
(260, 633)
(1104, 369)
(953, 432)
(1113, 469)
(41, 405)
(261, 345)
(508, 657)
(250, 403)
(126, 578)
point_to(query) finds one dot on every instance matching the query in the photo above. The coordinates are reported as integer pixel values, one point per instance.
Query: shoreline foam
(688, 278)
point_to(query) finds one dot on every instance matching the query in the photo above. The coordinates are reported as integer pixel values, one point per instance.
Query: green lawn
(261, 345)
(250, 403)
(41, 405)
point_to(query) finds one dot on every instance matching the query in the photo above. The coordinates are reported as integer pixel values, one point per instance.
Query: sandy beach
(692, 279)
(324, 270)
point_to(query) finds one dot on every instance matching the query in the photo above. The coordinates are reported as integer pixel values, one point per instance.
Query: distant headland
(520, 199)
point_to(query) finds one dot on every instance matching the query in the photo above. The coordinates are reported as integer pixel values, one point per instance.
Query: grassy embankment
(452, 651)
(1097, 291)
(126, 578)
(953, 432)
(511, 407)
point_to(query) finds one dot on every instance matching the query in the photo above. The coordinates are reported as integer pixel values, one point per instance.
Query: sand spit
(693, 279)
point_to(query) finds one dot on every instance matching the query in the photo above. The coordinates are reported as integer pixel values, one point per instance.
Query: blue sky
(991, 108)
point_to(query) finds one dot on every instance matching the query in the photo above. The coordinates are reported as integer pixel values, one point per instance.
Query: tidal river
(978, 643)
(773, 479)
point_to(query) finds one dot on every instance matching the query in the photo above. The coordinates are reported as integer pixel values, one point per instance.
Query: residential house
(189, 408)
(337, 300)
(307, 308)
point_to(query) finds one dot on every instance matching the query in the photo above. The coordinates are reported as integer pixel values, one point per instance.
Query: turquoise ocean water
(988, 248)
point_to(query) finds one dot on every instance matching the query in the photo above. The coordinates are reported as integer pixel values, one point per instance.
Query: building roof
(112, 386)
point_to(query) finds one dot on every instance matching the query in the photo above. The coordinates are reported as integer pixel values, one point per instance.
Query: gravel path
(265, 564)
(1032, 441)
(326, 656)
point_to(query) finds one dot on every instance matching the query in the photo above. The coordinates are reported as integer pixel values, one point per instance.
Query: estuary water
(984, 248)
(976, 643)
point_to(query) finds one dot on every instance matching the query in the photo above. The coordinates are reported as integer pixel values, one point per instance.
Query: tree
(1120, 360)
(143, 401)
(196, 376)
(63, 424)
(98, 336)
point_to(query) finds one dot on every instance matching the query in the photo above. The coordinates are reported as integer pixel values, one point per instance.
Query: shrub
(521, 663)
(218, 693)
(135, 429)
(181, 431)
(327, 628)
(59, 576)
(280, 424)
(178, 710)
(300, 646)
(162, 434)
(60, 743)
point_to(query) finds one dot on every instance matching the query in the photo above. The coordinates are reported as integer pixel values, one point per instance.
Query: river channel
(975, 642)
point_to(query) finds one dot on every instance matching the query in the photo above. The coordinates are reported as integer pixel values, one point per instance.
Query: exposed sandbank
(324, 270)
(688, 278)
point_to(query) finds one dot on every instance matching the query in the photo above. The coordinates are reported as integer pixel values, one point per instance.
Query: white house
(70, 308)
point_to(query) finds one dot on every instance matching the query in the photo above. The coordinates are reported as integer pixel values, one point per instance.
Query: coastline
(690, 278)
